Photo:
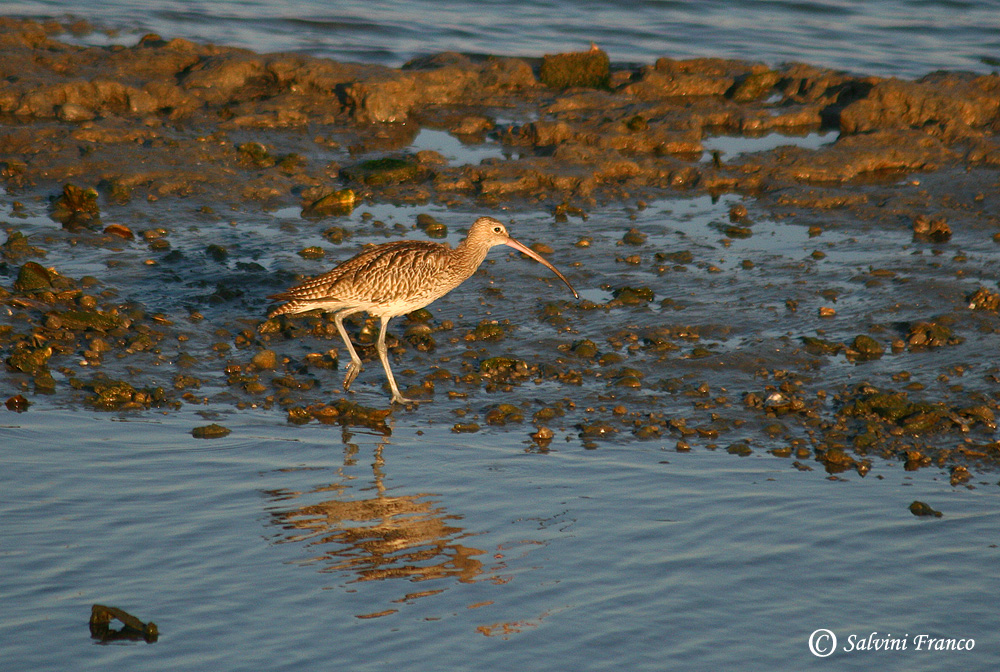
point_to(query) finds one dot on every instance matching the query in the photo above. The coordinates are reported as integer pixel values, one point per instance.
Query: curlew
(396, 278)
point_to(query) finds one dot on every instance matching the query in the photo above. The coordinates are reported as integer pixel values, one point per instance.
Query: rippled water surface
(286, 547)
(887, 37)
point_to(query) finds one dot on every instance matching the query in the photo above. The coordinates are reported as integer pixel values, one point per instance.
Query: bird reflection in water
(381, 537)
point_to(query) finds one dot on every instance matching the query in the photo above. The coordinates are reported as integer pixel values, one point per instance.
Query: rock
(432, 227)
(382, 172)
(217, 252)
(952, 103)
(486, 330)
(265, 360)
(585, 348)
(867, 347)
(741, 449)
(465, 427)
(502, 367)
(597, 430)
(933, 230)
(633, 296)
(336, 234)
(33, 277)
(119, 231)
(930, 335)
(79, 320)
(212, 431)
(132, 627)
(119, 395)
(501, 414)
(76, 207)
(31, 361)
(822, 347)
(589, 69)
(339, 202)
(984, 299)
(918, 508)
(254, 155)
(754, 86)
(17, 247)
(634, 237)
(312, 252)
(17, 403)
(543, 437)
(960, 475)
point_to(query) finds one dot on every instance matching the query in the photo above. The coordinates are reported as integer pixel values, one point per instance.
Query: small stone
(339, 202)
(212, 431)
(867, 347)
(385, 171)
(312, 252)
(932, 230)
(33, 276)
(959, 475)
(335, 234)
(633, 296)
(217, 252)
(120, 231)
(918, 508)
(634, 237)
(597, 430)
(75, 207)
(585, 348)
(17, 403)
(254, 155)
(465, 427)
(543, 436)
(265, 359)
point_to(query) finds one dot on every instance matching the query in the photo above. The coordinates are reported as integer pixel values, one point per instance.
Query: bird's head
(490, 232)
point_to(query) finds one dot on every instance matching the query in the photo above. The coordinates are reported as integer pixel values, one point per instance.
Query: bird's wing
(386, 272)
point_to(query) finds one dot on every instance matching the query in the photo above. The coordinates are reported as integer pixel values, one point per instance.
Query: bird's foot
(400, 399)
(353, 369)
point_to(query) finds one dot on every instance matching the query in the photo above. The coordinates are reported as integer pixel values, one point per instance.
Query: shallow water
(907, 38)
(285, 546)
(293, 546)
(289, 546)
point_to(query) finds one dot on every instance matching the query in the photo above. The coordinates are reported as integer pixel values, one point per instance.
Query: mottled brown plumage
(394, 279)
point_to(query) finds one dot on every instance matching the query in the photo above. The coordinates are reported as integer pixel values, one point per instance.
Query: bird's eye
(497, 229)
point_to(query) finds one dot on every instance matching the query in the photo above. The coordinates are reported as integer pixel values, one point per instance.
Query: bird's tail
(291, 305)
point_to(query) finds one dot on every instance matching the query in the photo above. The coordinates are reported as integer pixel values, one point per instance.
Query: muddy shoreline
(145, 164)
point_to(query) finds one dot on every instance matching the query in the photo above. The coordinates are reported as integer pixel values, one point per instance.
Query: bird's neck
(470, 254)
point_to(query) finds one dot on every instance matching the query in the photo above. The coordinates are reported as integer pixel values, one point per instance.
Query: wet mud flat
(830, 297)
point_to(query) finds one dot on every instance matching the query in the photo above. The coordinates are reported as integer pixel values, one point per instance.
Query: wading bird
(396, 278)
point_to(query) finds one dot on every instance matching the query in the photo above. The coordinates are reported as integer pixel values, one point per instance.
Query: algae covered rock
(588, 69)
(212, 431)
(31, 361)
(76, 207)
(380, 172)
(32, 277)
(326, 202)
(867, 347)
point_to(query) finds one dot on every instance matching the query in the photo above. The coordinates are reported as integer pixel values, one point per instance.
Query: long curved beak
(524, 249)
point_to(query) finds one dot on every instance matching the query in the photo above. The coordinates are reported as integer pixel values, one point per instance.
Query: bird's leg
(384, 356)
(354, 368)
